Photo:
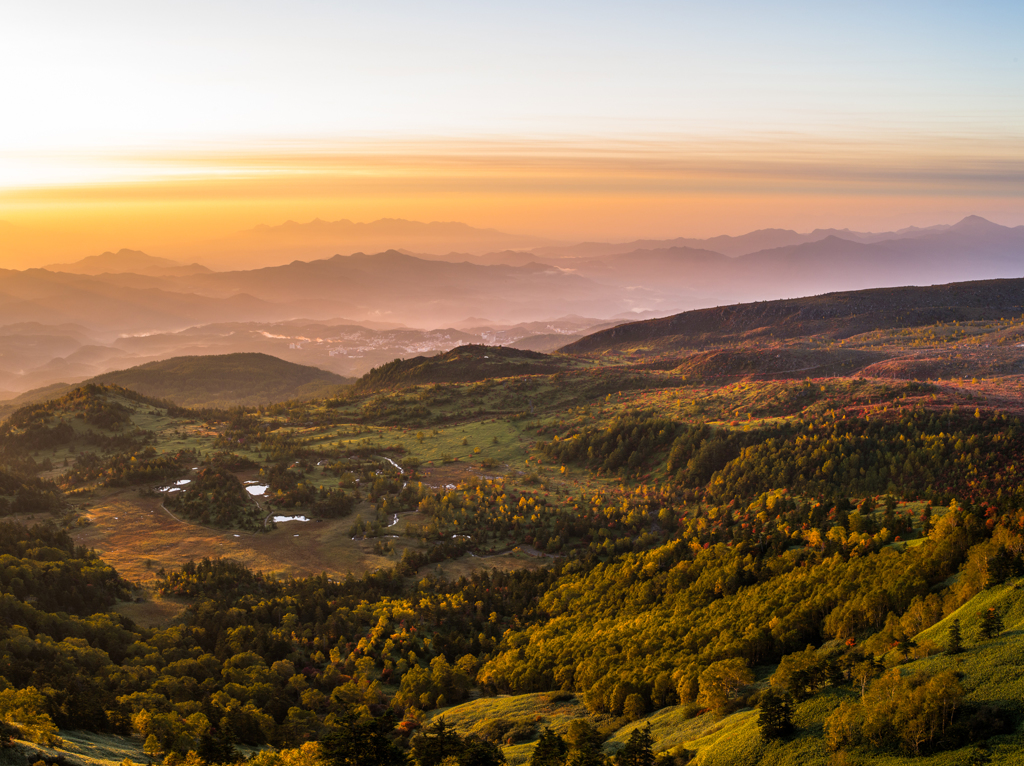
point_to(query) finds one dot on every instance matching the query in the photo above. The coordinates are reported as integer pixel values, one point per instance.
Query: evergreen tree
(955, 642)
(358, 741)
(905, 645)
(926, 520)
(991, 624)
(775, 719)
(214, 749)
(639, 750)
(1002, 566)
(435, 744)
(480, 752)
(585, 745)
(550, 750)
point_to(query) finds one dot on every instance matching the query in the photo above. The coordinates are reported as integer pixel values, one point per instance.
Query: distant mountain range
(129, 261)
(387, 287)
(122, 308)
(971, 249)
(745, 244)
(276, 245)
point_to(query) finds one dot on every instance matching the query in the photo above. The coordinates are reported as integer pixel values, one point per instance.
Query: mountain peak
(975, 224)
(126, 261)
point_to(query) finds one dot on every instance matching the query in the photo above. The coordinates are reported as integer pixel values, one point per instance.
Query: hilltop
(126, 261)
(834, 316)
(225, 380)
(222, 380)
(460, 365)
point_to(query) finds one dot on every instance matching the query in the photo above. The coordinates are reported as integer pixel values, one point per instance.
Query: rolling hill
(460, 365)
(229, 379)
(833, 316)
(224, 380)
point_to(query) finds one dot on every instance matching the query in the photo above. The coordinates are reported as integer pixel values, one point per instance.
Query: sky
(161, 126)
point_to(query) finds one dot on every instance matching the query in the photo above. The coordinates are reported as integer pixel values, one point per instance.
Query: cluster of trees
(44, 426)
(42, 564)
(216, 496)
(915, 713)
(624, 445)
(915, 452)
(96, 405)
(21, 494)
(414, 559)
(229, 461)
(651, 623)
(260, 660)
(122, 469)
(289, 488)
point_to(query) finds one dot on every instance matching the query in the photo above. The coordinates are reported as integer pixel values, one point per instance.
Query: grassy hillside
(834, 315)
(225, 380)
(460, 365)
(216, 380)
(989, 671)
(515, 720)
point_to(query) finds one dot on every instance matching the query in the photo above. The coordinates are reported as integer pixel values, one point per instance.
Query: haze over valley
(348, 313)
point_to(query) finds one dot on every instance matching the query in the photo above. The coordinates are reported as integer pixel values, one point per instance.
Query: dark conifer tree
(991, 624)
(775, 719)
(435, 744)
(480, 752)
(955, 642)
(1001, 567)
(355, 742)
(550, 750)
(926, 520)
(639, 750)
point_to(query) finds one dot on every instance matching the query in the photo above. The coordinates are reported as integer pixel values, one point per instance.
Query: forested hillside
(531, 568)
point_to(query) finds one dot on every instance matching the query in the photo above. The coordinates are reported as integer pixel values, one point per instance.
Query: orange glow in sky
(179, 204)
(168, 127)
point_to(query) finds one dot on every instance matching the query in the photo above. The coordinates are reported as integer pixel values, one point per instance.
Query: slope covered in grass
(835, 315)
(225, 380)
(460, 365)
(989, 670)
(524, 716)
